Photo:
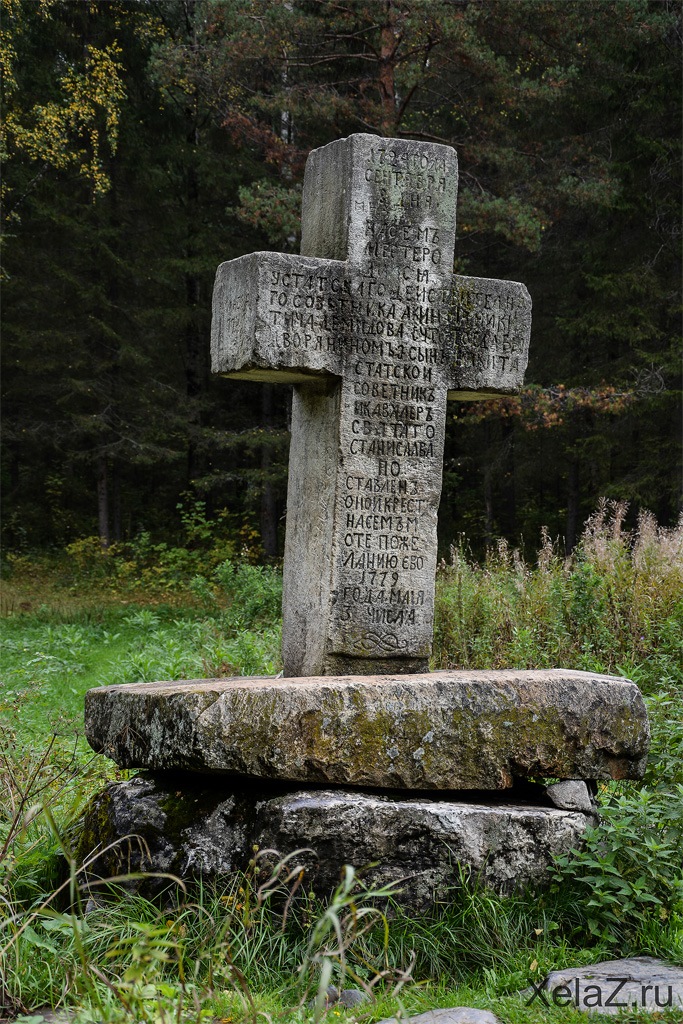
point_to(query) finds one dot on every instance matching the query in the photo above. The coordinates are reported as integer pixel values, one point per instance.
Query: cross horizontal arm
(488, 326)
(273, 317)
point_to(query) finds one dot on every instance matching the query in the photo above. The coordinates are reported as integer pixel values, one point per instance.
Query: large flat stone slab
(194, 827)
(421, 842)
(453, 730)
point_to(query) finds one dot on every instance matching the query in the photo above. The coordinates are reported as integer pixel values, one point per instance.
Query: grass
(226, 954)
(616, 605)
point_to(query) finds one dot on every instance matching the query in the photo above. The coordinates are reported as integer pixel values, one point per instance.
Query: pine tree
(148, 142)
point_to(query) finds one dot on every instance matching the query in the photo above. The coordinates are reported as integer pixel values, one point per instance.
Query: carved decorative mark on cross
(375, 332)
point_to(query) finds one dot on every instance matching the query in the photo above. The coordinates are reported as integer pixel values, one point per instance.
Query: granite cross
(375, 332)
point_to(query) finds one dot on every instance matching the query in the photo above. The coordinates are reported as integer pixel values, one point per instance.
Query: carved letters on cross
(375, 332)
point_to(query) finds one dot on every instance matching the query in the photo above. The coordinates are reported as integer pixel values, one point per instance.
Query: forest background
(147, 141)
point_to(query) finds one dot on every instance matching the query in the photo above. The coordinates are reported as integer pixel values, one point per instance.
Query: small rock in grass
(609, 987)
(349, 997)
(448, 1015)
(48, 1016)
(571, 795)
(331, 997)
(353, 997)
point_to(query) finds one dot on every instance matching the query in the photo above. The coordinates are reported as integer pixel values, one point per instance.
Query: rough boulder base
(437, 731)
(422, 844)
(200, 828)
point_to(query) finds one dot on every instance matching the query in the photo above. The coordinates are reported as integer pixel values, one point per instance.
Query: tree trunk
(387, 84)
(196, 351)
(488, 491)
(572, 505)
(103, 502)
(488, 508)
(195, 369)
(509, 481)
(116, 502)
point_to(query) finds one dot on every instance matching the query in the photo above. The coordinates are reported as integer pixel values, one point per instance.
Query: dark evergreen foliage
(121, 202)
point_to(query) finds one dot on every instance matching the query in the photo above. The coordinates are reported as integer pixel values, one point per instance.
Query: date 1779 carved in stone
(375, 332)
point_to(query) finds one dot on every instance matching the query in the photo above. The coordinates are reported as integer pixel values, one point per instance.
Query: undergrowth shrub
(628, 875)
(615, 605)
(252, 593)
(627, 878)
(142, 565)
(617, 601)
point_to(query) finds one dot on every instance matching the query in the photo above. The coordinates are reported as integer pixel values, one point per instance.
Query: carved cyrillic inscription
(388, 318)
(393, 408)
(485, 328)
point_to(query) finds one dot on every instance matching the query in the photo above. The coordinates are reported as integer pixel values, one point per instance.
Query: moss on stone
(483, 729)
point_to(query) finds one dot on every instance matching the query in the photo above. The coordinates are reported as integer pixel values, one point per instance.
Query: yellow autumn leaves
(73, 127)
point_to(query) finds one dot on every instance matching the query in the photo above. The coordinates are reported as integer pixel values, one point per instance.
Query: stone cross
(375, 332)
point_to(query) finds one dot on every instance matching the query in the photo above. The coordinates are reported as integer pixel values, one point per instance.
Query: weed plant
(233, 952)
(615, 604)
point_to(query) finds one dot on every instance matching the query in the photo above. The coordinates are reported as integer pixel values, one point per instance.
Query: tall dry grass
(615, 604)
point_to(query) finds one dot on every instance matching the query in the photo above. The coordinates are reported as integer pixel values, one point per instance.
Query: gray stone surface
(421, 843)
(375, 332)
(438, 731)
(350, 997)
(209, 828)
(45, 1015)
(447, 1015)
(178, 826)
(611, 986)
(571, 795)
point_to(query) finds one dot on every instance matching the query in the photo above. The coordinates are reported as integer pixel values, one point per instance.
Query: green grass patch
(97, 618)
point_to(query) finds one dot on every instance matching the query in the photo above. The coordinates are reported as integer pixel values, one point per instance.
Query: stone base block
(197, 828)
(437, 731)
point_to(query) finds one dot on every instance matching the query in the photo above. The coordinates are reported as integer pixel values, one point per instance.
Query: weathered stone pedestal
(364, 756)
(422, 776)
(452, 730)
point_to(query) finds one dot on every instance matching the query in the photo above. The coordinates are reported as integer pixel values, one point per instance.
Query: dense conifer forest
(146, 141)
